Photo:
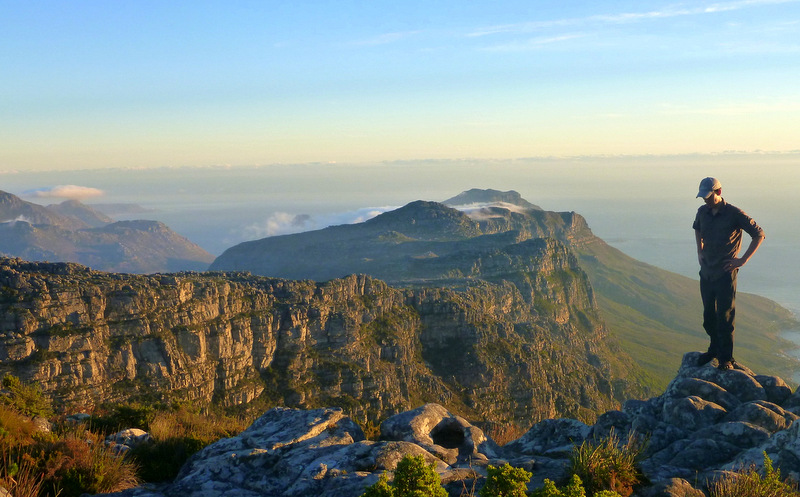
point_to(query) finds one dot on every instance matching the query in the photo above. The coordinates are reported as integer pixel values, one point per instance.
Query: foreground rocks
(707, 422)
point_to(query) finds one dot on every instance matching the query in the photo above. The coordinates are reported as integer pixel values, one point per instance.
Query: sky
(99, 84)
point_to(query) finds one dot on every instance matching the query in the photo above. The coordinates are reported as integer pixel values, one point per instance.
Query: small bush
(412, 478)
(25, 398)
(608, 464)
(574, 488)
(749, 483)
(505, 481)
(79, 463)
(380, 489)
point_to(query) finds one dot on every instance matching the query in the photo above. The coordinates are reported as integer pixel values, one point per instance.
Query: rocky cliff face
(491, 350)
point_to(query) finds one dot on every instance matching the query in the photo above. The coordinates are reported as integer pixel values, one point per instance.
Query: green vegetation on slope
(657, 315)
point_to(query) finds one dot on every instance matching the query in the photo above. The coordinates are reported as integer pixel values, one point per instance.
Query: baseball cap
(707, 186)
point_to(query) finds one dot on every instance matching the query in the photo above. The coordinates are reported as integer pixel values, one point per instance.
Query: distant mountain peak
(76, 210)
(489, 196)
(430, 220)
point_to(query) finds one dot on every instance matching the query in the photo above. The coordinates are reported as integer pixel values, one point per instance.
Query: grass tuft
(750, 483)
(609, 464)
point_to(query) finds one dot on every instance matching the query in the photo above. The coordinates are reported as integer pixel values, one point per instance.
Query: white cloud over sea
(73, 192)
(483, 210)
(284, 223)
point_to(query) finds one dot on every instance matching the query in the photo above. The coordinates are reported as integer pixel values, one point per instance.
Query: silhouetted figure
(718, 228)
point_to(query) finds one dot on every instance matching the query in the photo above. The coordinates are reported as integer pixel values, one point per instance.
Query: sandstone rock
(125, 440)
(432, 427)
(42, 424)
(89, 337)
(777, 389)
(550, 437)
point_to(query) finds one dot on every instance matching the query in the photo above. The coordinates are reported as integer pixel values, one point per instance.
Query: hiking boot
(704, 358)
(726, 366)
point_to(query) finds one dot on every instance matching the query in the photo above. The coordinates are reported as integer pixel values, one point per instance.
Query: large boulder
(448, 436)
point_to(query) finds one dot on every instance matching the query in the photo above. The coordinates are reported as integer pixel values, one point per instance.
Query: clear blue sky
(155, 83)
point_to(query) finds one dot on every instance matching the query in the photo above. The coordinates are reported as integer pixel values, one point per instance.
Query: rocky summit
(707, 423)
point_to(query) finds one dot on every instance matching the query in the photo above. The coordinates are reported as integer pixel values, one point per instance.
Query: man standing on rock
(718, 229)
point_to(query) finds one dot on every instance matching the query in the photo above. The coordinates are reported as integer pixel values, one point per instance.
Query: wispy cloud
(534, 43)
(485, 210)
(66, 191)
(386, 38)
(623, 18)
(733, 108)
(283, 223)
(18, 219)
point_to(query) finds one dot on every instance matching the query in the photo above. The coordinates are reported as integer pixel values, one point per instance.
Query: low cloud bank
(19, 218)
(284, 223)
(483, 210)
(72, 192)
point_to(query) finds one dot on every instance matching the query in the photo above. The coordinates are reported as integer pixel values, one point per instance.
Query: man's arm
(699, 238)
(741, 261)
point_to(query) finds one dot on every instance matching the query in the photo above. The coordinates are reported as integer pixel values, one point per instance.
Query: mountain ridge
(74, 232)
(655, 313)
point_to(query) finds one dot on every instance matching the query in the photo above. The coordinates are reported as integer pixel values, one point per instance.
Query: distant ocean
(643, 206)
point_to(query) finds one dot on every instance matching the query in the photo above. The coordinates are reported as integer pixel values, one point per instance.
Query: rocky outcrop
(504, 352)
(707, 423)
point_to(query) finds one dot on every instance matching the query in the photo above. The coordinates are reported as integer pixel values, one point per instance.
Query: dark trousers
(719, 312)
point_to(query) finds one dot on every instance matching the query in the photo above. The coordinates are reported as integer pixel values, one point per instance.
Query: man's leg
(709, 297)
(726, 315)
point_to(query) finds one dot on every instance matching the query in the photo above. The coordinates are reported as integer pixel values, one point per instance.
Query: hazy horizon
(642, 205)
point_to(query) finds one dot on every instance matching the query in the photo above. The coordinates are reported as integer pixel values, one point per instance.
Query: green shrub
(412, 478)
(505, 481)
(379, 489)
(574, 488)
(749, 483)
(26, 398)
(608, 464)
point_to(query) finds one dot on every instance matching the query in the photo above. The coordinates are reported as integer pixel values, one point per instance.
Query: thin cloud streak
(733, 109)
(66, 191)
(534, 43)
(386, 38)
(623, 18)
